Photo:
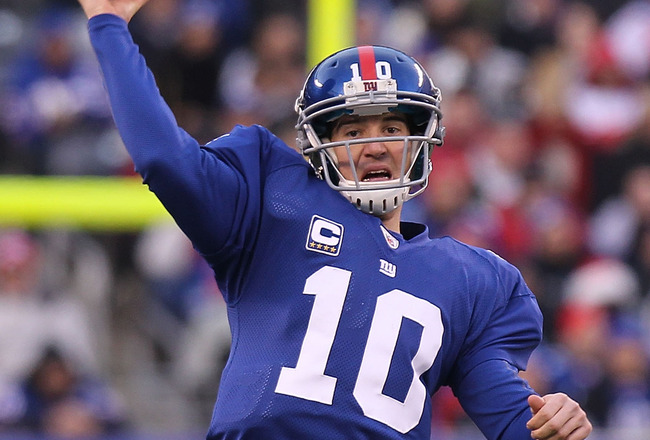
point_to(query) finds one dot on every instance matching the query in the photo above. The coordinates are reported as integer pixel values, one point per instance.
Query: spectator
(621, 400)
(33, 317)
(269, 72)
(616, 223)
(56, 110)
(55, 399)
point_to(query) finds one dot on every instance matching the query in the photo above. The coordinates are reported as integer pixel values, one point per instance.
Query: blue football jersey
(341, 328)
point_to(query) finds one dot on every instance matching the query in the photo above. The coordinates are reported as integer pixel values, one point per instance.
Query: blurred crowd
(546, 162)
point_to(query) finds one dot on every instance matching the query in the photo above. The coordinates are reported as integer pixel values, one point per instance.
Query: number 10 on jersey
(307, 380)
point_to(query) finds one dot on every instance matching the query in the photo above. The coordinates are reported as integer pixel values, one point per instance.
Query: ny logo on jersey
(324, 236)
(388, 269)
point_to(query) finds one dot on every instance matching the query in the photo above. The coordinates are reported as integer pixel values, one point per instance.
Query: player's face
(375, 161)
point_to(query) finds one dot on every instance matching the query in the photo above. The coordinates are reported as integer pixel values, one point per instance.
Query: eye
(353, 133)
(393, 130)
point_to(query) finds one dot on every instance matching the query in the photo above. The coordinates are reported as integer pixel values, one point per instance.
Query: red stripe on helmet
(367, 62)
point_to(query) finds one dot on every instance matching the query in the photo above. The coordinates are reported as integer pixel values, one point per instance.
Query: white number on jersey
(307, 380)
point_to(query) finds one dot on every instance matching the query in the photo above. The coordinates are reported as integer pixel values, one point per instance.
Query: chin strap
(377, 202)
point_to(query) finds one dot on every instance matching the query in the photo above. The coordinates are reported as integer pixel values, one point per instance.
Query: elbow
(153, 166)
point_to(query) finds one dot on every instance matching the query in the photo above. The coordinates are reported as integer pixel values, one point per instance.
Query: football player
(345, 320)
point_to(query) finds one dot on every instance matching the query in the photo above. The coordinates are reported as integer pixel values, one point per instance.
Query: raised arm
(199, 188)
(125, 9)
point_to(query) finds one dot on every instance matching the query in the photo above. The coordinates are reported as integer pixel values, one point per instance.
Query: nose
(374, 149)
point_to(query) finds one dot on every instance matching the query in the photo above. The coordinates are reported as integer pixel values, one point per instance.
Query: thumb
(535, 402)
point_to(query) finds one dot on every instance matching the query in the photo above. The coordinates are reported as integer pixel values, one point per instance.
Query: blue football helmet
(370, 80)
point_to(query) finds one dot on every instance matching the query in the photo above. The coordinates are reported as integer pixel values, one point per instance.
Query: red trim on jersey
(367, 63)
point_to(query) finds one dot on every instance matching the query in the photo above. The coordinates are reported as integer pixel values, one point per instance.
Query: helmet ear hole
(329, 167)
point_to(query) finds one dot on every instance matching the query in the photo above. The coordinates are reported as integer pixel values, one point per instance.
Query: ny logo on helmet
(370, 86)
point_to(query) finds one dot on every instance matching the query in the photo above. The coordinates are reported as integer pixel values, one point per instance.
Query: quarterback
(344, 320)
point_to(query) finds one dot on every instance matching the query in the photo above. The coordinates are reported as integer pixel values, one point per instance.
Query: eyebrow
(353, 119)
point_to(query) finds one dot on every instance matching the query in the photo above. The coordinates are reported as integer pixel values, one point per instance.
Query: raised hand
(125, 9)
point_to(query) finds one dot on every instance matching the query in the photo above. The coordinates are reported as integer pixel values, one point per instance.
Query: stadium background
(547, 162)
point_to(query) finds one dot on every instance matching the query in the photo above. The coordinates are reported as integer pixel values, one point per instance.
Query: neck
(392, 220)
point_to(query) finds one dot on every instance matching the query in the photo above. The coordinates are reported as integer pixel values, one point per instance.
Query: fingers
(535, 402)
(125, 9)
(557, 417)
(580, 433)
(97, 7)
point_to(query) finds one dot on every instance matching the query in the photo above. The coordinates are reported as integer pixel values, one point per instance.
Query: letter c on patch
(325, 232)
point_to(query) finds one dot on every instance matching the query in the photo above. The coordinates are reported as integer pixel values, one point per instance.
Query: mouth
(376, 176)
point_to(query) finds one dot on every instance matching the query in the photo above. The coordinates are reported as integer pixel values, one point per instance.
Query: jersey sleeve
(508, 328)
(208, 192)
(495, 397)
